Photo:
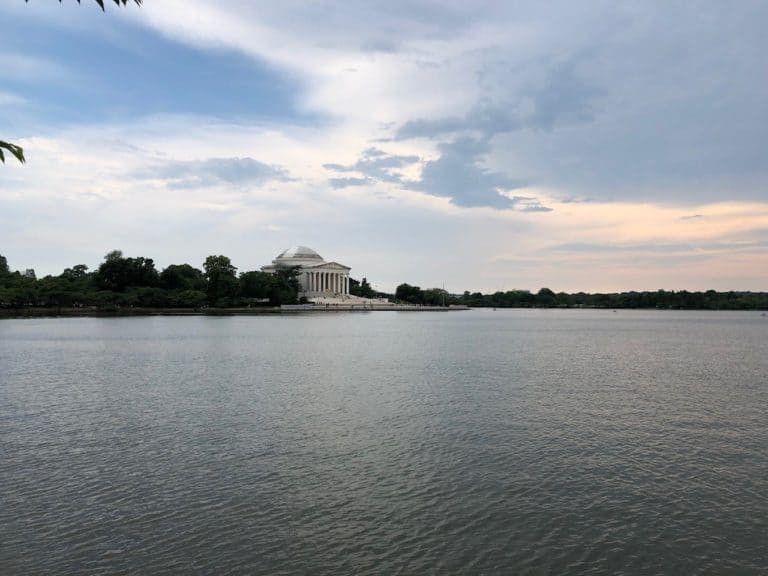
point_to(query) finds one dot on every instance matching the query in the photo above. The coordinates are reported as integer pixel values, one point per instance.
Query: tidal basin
(482, 442)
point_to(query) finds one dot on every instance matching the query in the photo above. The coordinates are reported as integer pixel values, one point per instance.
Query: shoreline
(93, 312)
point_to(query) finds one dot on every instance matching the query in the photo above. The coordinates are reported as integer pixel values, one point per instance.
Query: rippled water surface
(479, 442)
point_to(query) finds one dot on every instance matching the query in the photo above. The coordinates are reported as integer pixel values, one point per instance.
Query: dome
(300, 253)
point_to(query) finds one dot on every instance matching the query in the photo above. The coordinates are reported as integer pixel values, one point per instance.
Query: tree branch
(101, 2)
(17, 151)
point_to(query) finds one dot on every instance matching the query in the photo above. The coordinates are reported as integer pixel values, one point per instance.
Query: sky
(483, 146)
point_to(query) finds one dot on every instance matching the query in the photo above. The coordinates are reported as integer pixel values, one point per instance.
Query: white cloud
(86, 191)
(579, 97)
(653, 115)
(8, 99)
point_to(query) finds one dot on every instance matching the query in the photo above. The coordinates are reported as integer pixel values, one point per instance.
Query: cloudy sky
(484, 146)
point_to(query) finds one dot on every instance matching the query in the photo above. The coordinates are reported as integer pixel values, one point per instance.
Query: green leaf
(17, 151)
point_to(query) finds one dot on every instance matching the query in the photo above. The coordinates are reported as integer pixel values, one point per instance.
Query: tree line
(122, 281)
(135, 281)
(546, 298)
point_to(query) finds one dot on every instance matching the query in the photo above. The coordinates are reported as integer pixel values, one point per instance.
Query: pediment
(329, 266)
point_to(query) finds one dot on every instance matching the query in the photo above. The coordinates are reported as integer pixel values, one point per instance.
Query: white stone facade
(317, 278)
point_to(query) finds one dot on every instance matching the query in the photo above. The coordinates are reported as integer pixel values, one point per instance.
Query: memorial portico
(317, 277)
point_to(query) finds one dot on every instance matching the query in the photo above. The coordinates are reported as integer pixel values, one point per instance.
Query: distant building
(316, 276)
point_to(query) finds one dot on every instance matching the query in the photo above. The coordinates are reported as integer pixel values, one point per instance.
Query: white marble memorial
(317, 278)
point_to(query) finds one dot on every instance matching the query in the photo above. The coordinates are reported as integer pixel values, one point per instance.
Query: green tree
(182, 277)
(77, 272)
(286, 287)
(411, 294)
(3, 266)
(222, 286)
(117, 273)
(362, 288)
(189, 299)
(546, 297)
(436, 297)
(72, 287)
(366, 291)
(257, 284)
(17, 289)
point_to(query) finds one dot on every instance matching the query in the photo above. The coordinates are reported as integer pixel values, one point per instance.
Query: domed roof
(300, 253)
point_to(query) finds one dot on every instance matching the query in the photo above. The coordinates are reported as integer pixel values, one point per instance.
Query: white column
(311, 281)
(346, 284)
(336, 285)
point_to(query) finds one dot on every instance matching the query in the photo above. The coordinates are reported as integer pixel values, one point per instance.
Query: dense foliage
(546, 298)
(362, 289)
(123, 281)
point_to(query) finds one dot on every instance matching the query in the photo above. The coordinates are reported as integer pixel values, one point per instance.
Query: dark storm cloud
(374, 164)
(636, 103)
(561, 96)
(457, 174)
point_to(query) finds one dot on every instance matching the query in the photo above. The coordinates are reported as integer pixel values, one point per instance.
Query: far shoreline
(94, 312)
(128, 312)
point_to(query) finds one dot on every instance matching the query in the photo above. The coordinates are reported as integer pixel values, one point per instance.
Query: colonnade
(326, 281)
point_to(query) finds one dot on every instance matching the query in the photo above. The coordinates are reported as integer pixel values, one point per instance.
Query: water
(480, 442)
